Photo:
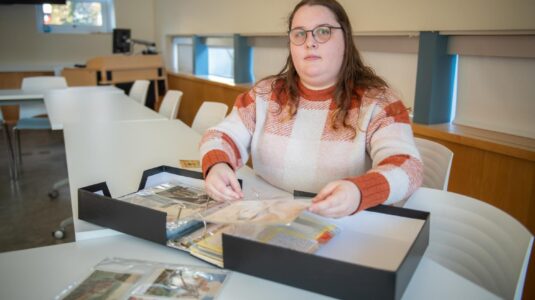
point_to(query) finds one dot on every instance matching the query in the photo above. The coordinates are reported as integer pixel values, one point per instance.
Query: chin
(315, 79)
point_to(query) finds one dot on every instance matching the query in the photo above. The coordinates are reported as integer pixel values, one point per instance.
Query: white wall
(399, 71)
(24, 47)
(259, 16)
(497, 93)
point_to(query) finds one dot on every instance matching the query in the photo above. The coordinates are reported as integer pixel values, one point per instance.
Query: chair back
(170, 104)
(493, 250)
(139, 91)
(43, 83)
(209, 114)
(437, 161)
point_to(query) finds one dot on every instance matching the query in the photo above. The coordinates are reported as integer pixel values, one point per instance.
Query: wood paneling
(197, 90)
(13, 80)
(79, 76)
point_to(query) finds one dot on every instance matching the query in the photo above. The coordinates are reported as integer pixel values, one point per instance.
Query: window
(220, 57)
(221, 61)
(183, 54)
(76, 16)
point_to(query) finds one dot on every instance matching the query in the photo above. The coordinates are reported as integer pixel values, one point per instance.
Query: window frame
(108, 21)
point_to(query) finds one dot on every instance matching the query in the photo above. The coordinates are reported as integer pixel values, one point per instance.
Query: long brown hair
(353, 73)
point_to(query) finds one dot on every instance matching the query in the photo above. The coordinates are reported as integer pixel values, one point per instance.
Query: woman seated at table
(326, 123)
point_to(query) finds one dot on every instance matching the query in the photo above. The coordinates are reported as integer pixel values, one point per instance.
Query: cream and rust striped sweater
(305, 153)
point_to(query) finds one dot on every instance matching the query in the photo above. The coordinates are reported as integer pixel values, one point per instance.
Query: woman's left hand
(337, 199)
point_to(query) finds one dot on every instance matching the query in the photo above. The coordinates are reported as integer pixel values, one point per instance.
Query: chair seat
(33, 123)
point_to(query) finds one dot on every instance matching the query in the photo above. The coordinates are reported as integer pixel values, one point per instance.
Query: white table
(7, 95)
(94, 107)
(16, 97)
(42, 273)
(26, 98)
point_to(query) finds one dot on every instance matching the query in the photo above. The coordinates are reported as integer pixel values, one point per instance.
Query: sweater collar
(316, 95)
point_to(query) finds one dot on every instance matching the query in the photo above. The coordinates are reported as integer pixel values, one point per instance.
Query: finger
(325, 192)
(227, 192)
(215, 191)
(220, 195)
(334, 212)
(235, 185)
(329, 202)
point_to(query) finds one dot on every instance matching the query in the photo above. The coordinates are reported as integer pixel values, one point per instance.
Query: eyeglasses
(321, 34)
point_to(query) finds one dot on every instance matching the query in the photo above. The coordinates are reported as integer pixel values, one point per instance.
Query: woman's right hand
(222, 184)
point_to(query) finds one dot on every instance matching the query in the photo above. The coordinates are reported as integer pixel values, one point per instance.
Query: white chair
(170, 104)
(437, 161)
(43, 83)
(476, 240)
(208, 115)
(139, 91)
(39, 84)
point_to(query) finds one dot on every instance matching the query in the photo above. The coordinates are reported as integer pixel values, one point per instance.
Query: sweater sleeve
(230, 141)
(397, 168)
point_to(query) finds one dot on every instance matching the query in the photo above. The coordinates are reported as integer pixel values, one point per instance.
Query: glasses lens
(298, 36)
(322, 34)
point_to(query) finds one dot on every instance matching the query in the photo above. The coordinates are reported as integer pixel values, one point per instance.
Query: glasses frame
(312, 32)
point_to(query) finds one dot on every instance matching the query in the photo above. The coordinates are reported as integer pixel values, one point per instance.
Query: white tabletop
(94, 107)
(18, 94)
(13, 97)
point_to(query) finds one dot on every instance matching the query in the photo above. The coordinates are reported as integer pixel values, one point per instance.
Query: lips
(312, 57)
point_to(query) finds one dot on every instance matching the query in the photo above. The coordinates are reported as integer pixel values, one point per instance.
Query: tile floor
(27, 215)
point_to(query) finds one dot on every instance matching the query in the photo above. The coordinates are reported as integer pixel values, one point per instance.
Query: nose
(310, 40)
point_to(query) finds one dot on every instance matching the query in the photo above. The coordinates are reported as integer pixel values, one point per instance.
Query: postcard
(103, 285)
(183, 283)
(186, 194)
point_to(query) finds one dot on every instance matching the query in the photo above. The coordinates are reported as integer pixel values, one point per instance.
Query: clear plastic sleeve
(117, 278)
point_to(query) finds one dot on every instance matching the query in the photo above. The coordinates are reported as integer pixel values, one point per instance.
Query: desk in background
(122, 70)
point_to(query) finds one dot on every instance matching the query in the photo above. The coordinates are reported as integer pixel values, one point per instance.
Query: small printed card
(190, 164)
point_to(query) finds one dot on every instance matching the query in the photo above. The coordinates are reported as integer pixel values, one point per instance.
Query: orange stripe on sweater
(396, 160)
(398, 111)
(233, 146)
(374, 189)
(213, 157)
(243, 100)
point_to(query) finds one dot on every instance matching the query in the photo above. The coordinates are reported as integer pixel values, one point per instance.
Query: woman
(326, 123)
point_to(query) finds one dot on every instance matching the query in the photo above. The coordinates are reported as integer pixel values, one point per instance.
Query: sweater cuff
(214, 157)
(374, 189)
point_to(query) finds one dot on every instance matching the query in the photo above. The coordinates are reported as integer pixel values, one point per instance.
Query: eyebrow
(324, 24)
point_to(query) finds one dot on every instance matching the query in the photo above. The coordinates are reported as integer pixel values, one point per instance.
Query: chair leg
(16, 133)
(12, 162)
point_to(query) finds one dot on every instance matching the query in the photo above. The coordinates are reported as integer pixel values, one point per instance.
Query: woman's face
(317, 64)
